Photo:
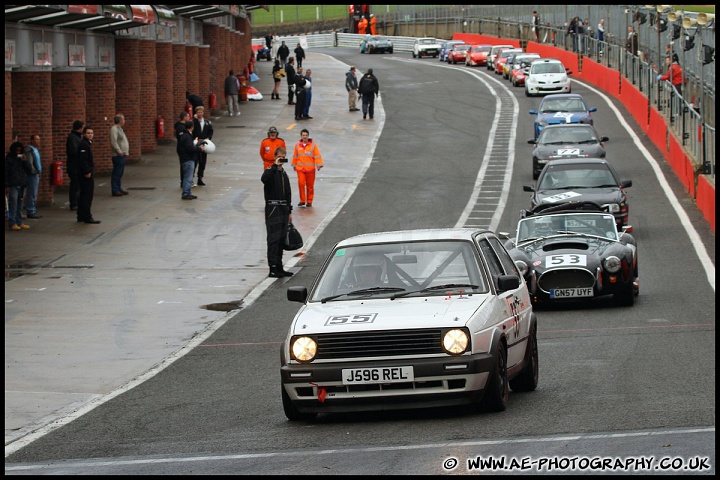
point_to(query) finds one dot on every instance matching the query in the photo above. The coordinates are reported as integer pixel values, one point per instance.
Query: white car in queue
(410, 319)
(547, 75)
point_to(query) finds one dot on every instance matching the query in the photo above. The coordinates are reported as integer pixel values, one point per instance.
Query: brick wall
(100, 88)
(166, 107)
(148, 104)
(150, 79)
(68, 93)
(129, 95)
(32, 108)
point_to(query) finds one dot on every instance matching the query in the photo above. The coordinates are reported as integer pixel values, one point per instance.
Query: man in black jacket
(278, 211)
(86, 175)
(187, 152)
(71, 150)
(283, 53)
(290, 77)
(203, 130)
(369, 89)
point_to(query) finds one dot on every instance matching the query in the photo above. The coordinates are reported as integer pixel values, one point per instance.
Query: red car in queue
(521, 66)
(477, 55)
(502, 57)
(457, 53)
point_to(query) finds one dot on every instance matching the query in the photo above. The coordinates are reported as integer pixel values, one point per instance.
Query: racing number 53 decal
(351, 319)
(565, 260)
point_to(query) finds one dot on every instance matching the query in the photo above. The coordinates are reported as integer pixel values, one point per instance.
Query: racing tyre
(291, 412)
(498, 388)
(390, 51)
(414, 55)
(527, 379)
(527, 93)
(627, 297)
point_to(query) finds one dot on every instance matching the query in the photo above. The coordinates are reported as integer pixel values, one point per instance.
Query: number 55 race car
(410, 319)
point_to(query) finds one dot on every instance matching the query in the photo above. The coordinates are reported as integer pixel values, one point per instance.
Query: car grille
(379, 344)
(565, 278)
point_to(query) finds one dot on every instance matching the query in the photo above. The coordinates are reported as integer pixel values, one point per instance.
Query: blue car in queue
(562, 108)
(572, 251)
(410, 319)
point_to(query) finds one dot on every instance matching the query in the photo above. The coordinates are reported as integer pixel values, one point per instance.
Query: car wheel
(527, 93)
(413, 54)
(626, 298)
(497, 390)
(390, 51)
(527, 379)
(291, 412)
(536, 170)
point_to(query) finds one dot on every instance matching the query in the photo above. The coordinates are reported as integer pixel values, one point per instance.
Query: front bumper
(438, 381)
(545, 88)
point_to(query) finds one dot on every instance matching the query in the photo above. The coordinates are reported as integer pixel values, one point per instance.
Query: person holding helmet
(268, 146)
(203, 132)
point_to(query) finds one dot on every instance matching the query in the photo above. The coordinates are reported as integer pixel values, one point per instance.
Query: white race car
(410, 319)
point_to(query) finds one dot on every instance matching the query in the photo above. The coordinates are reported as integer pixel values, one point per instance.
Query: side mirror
(297, 294)
(528, 188)
(604, 139)
(593, 109)
(626, 183)
(508, 282)
(532, 141)
(533, 112)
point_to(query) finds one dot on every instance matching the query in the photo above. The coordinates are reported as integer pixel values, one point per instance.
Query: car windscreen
(567, 134)
(550, 105)
(594, 224)
(547, 68)
(577, 176)
(383, 270)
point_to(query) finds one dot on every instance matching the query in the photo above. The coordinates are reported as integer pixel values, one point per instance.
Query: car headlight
(612, 207)
(303, 349)
(455, 341)
(612, 264)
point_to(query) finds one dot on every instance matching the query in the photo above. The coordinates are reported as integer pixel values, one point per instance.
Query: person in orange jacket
(363, 25)
(306, 159)
(268, 146)
(373, 21)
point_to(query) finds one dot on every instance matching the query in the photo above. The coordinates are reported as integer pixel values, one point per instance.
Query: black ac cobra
(573, 252)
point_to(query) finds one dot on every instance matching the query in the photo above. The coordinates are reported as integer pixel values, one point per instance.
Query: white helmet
(209, 145)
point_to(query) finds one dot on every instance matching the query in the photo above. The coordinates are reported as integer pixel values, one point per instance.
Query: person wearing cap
(373, 21)
(278, 211)
(269, 145)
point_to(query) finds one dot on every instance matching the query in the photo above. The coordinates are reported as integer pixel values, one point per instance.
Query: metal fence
(691, 116)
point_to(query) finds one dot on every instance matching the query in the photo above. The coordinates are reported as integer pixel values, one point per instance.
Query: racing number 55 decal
(351, 319)
(566, 260)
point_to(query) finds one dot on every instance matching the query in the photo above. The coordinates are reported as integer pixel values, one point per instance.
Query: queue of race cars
(445, 317)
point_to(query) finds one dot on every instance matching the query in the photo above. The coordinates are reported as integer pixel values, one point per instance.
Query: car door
(514, 304)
